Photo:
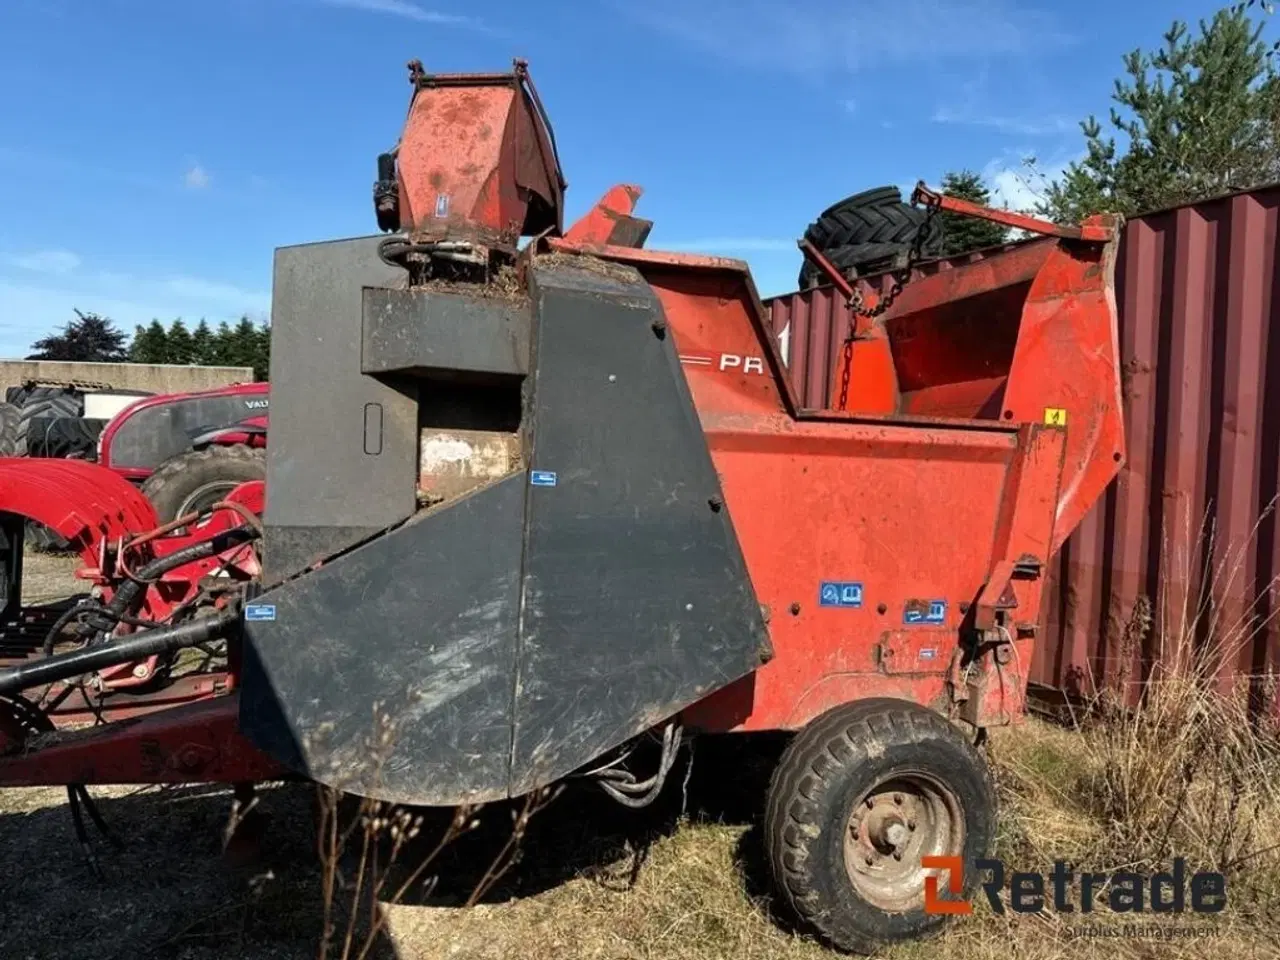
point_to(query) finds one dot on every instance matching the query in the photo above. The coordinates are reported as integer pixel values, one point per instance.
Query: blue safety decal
(442, 205)
(260, 611)
(840, 594)
(542, 478)
(928, 653)
(932, 611)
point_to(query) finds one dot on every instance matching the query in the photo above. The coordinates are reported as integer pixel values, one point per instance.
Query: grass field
(682, 881)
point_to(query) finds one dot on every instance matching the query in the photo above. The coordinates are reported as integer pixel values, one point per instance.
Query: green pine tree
(223, 345)
(262, 353)
(962, 234)
(150, 344)
(203, 346)
(242, 343)
(181, 349)
(1196, 118)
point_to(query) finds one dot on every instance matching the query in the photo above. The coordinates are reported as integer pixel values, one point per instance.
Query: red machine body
(869, 576)
(476, 160)
(106, 521)
(982, 419)
(154, 429)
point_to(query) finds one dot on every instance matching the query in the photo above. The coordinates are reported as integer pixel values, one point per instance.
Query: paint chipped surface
(454, 462)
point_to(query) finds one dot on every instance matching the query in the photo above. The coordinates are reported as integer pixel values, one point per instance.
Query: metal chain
(900, 278)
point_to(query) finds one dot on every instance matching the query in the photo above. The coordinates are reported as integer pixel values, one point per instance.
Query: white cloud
(196, 177)
(46, 261)
(194, 288)
(850, 106)
(33, 306)
(837, 36)
(1023, 126)
(407, 10)
(1018, 185)
(1006, 108)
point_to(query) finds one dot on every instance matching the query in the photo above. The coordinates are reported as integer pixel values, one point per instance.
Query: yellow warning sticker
(1055, 416)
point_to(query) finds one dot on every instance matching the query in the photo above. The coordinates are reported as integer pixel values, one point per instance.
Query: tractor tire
(876, 216)
(29, 393)
(63, 437)
(859, 260)
(9, 415)
(879, 780)
(41, 539)
(43, 404)
(198, 479)
(867, 198)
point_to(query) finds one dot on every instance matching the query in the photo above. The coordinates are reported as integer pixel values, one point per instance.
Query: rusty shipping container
(1189, 524)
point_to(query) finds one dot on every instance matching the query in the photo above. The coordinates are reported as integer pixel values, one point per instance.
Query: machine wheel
(198, 479)
(833, 222)
(42, 539)
(63, 437)
(9, 415)
(875, 216)
(859, 796)
(41, 405)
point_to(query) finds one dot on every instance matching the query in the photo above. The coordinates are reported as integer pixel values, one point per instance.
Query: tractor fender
(83, 502)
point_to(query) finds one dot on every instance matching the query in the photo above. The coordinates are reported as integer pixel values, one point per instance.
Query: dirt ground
(594, 881)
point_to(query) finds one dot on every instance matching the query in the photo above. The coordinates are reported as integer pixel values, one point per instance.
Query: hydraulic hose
(130, 589)
(137, 646)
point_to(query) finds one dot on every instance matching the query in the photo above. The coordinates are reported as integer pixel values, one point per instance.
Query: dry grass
(1184, 775)
(594, 881)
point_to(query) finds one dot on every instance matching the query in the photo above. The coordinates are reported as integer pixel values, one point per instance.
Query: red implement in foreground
(537, 507)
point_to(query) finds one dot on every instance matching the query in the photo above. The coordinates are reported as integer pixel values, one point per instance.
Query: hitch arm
(1094, 229)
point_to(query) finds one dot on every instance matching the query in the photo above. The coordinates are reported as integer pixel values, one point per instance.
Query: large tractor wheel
(196, 480)
(859, 797)
(874, 216)
(9, 415)
(41, 539)
(833, 222)
(39, 407)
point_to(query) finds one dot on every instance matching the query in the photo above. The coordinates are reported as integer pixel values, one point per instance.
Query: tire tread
(815, 759)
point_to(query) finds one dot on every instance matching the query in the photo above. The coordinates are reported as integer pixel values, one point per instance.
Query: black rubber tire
(859, 260)
(63, 437)
(199, 473)
(45, 407)
(867, 198)
(41, 539)
(9, 415)
(871, 223)
(29, 393)
(827, 771)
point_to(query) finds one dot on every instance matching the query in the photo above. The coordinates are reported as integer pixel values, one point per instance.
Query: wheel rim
(891, 827)
(202, 498)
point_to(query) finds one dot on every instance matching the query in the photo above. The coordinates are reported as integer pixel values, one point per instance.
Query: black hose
(136, 646)
(130, 589)
(80, 606)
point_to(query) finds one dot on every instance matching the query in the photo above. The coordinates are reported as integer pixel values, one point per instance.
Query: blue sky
(152, 154)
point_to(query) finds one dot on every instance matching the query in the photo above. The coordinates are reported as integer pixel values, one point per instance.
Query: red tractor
(531, 506)
(189, 450)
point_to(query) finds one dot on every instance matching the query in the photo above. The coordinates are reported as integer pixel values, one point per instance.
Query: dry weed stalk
(384, 832)
(1189, 770)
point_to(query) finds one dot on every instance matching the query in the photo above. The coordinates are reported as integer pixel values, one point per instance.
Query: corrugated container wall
(1197, 293)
